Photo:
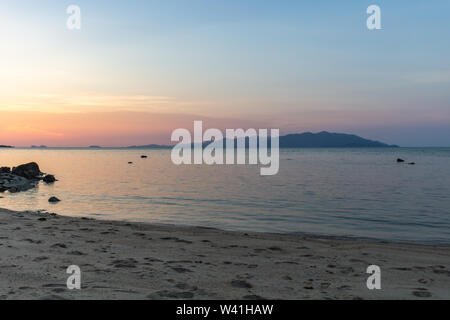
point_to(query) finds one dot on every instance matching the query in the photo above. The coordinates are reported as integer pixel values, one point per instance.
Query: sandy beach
(121, 260)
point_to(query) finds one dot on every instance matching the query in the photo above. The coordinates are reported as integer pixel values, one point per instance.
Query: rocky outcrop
(29, 171)
(22, 178)
(5, 170)
(13, 183)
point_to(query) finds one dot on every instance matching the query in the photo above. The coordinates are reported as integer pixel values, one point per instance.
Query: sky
(137, 70)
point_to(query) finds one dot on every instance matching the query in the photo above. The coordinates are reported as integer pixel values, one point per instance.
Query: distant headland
(322, 139)
(326, 139)
(150, 146)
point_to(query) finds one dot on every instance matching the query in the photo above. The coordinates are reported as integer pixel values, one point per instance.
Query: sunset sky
(139, 69)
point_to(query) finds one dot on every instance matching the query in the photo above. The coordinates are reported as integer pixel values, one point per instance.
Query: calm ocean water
(344, 192)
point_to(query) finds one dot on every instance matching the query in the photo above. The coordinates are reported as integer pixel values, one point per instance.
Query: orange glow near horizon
(108, 129)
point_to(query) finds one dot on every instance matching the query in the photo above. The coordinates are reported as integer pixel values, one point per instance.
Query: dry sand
(121, 260)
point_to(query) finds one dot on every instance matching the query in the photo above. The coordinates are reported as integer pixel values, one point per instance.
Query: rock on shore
(20, 178)
(30, 170)
(13, 183)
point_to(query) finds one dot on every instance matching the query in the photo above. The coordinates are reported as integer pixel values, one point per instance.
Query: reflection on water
(356, 192)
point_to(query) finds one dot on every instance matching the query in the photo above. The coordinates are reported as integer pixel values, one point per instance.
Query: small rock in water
(400, 160)
(54, 199)
(412, 163)
(49, 178)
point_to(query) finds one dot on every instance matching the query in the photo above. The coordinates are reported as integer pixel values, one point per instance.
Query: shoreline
(133, 260)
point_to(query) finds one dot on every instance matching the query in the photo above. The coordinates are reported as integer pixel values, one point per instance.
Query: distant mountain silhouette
(150, 146)
(322, 139)
(328, 140)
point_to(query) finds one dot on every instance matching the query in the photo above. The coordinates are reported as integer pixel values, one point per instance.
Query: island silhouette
(322, 139)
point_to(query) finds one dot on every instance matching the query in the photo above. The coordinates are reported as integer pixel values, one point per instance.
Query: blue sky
(296, 65)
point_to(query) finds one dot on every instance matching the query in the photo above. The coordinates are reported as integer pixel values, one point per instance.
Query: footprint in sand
(52, 297)
(127, 263)
(425, 281)
(76, 253)
(421, 293)
(172, 294)
(241, 284)
(275, 249)
(39, 259)
(181, 270)
(59, 245)
(253, 297)
(185, 286)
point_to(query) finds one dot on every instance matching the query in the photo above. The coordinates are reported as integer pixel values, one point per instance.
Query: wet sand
(121, 260)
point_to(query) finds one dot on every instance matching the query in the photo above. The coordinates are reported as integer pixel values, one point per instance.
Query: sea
(360, 193)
